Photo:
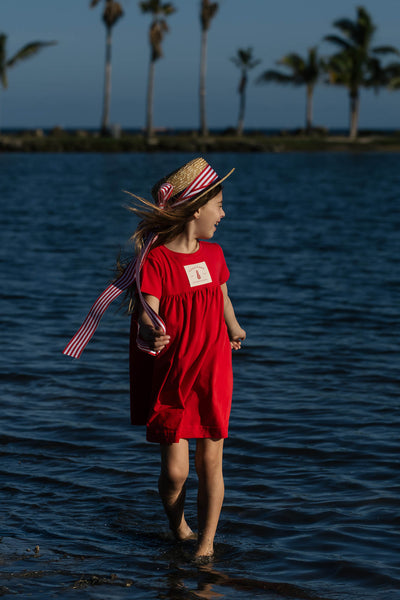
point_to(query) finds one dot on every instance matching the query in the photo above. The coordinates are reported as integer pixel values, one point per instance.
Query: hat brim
(214, 184)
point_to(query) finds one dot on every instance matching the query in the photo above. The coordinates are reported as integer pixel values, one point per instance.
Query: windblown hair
(167, 223)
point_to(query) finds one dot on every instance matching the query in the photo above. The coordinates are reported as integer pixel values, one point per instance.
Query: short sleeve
(151, 278)
(223, 271)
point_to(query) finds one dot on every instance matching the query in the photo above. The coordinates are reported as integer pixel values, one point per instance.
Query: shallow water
(312, 461)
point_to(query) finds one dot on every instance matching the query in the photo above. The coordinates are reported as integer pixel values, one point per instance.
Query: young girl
(183, 330)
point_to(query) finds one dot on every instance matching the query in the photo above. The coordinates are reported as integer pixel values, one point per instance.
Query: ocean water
(312, 461)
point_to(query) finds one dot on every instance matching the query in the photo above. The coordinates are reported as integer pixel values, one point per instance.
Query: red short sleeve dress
(186, 390)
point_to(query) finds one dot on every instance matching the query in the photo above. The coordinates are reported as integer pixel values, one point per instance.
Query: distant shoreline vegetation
(179, 140)
(355, 64)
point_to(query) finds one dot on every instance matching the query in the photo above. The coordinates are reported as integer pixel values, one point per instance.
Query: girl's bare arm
(156, 338)
(236, 333)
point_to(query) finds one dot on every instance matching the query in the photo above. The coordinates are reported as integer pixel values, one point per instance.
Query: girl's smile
(208, 217)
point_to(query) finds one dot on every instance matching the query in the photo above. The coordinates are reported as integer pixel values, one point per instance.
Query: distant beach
(85, 140)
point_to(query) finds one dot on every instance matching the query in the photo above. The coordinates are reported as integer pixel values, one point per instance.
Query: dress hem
(172, 437)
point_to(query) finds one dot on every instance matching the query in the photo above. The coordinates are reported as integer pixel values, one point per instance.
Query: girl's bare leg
(211, 492)
(171, 485)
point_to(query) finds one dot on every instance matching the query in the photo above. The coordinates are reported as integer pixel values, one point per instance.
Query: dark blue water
(312, 462)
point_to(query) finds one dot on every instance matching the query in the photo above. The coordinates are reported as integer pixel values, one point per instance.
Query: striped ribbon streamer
(164, 194)
(202, 181)
(77, 344)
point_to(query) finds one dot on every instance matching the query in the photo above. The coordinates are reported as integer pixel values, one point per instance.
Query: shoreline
(85, 141)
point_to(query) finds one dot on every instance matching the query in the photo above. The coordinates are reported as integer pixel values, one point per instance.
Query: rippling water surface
(312, 462)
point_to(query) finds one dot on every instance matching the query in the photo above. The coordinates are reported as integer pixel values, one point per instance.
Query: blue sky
(63, 85)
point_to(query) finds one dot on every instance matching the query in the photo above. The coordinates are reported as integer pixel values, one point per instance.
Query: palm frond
(149, 6)
(377, 75)
(156, 7)
(156, 36)
(293, 61)
(274, 76)
(393, 69)
(244, 55)
(394, 84)
(112, 12)
(365, 26)
(27, 51)
(244, 59)
(385, 50)
(346, 26)
(335, 39)
(304, 71)
(339, 69)
(168, 9)
(208, 10)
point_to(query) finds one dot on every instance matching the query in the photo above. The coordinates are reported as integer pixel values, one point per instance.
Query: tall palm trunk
(242, 104)
(202, 89)
(105, 121)
(354, 113)
(150, 94)
(309, 108)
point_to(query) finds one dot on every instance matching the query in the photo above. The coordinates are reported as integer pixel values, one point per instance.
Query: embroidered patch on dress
(198, 274)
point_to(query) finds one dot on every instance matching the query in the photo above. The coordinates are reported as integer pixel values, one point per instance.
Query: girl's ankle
(183, 532)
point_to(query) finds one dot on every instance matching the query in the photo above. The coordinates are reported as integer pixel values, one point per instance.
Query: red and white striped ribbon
(202, 181)
(164, 194)
(77, 344)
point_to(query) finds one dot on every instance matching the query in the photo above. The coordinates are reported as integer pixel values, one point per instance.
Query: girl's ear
(196, 214)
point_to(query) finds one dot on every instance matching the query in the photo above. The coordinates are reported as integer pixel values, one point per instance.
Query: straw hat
(191, 181)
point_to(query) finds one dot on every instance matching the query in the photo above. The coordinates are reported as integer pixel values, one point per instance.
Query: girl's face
(208, 217)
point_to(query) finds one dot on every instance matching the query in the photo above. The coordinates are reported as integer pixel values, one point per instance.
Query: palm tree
(112, 12)
(27, 51)
(356, 65)
(304, 71)
(245, 62)
(158, 28)
(208, 10)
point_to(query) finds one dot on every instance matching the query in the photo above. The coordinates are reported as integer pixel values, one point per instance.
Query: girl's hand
(156, 338)
(236, 338)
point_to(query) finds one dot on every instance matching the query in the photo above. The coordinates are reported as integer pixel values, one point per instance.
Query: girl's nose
(222, 213)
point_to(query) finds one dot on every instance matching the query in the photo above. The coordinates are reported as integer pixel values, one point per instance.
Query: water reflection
(209, 583)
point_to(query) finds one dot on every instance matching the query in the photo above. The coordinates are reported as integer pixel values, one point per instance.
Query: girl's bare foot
(203, 559)
(205, 551)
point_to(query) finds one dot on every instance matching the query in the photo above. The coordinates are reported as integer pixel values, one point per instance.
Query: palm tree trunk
(202, 88)
(242, 105)
(150, 94)
(105, 125)
(354, 113)
(309, 108)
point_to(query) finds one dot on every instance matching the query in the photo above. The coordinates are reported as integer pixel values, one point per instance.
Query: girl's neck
(184, 244)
